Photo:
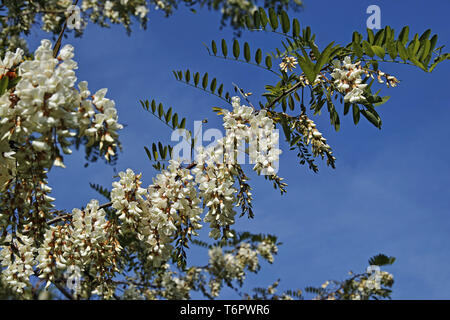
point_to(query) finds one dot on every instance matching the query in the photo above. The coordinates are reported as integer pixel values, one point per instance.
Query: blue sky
(390, 191)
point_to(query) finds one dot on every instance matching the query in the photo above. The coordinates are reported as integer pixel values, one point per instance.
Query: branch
(287, 92)
(58, 42)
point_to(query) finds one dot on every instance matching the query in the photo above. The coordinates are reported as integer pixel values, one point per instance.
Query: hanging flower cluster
(215, 183)
(88, 242)
(309, 131)
(229, 266)
(267, 249)
(158, 213)
(217, 167)
(17, 259)
(246, 124)
(44, 111)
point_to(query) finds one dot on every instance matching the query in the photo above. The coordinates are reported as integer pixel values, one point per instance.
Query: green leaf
(392, 50)
(214, 47)
(418, 64)
(346, 108)
(258, 56)
(175, 121)
(247, 55)
(413, 47)
(373, 117)
(379, 51)
(224, 48)
(263, 17)
(268, 62)
(425, 35)
(308, 68)
(426, 49)
(213, 85)
(160, 149)
(187, 76)
(356, 113)
(433, 42)
(273, 19)
(381, 260)
(402, 51)
(196, 78)
(183, 123)
(370, 36)
(160, 110)
(358, 50)
(295, 28)
(13, 82)
(324, 57)
(383, 101)
(236, 49)
(155, 152)
(248, 22)
(3, 85)
(368, 48)
(379, 37)
(256, 19)
(285, 23)
(149, 155)
(168, 115)
(404, 34)
(286, 129)
(356, 37)
(291, 103)
(205, 81)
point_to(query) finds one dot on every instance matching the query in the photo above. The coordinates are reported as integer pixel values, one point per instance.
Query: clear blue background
(390, 191)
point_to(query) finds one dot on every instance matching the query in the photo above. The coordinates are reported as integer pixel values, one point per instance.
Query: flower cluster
(230, 266)
(215, 183)
(17, 259)
(44, 111)
(347, 79)
(245, 124)
(125, 197)
(267, 249)
(158, 213)
(172, 203)
(89, 242)
(217, 167)
(288, 63)
(117, 12)
(358, 287)
(391, 81)
(363, 288)
(224, 266)
(309, 131)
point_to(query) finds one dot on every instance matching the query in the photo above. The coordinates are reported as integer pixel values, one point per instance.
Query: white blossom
(347, 79)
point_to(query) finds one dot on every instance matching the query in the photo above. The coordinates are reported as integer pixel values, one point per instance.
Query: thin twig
(61, 34)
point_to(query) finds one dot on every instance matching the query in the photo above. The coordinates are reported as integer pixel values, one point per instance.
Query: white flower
(347, 79)
(288, 63)
(141, 11)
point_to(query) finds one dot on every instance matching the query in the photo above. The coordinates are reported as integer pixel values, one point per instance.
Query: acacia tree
(135, 244)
